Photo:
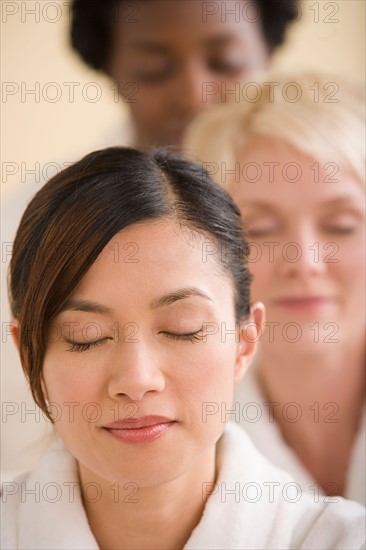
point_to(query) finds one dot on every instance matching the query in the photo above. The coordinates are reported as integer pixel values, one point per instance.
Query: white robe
(253, 517)
(254, 416)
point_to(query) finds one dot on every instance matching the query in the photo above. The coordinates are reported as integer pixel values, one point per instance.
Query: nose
(135, 372)
(303, 255)
(190, 89)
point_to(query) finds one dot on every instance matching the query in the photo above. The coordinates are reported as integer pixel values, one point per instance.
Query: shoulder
(44, 509)
(337, 525)
(10, 495)
(292, 518)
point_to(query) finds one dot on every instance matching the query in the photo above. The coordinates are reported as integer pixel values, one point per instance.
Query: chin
(160, 471)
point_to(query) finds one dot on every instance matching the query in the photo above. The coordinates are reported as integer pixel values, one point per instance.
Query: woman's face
(306, 224)
(171, 60)
(146, 333)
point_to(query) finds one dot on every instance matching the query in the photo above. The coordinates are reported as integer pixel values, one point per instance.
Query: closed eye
(340, 230)
(262, 226)
(154, 76)
(226, 67)
(85, 346)
(188, 337)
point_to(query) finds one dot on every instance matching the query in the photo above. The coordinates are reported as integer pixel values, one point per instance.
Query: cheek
(69, 382)
(75, 404)
(205, 391)
(349, 276)
(350, 268)
(208, 375)
(262, 272)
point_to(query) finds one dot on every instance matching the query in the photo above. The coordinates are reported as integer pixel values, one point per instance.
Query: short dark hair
(92, 21)
(74, 215)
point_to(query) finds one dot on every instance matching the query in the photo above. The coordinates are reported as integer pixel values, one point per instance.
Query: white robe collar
(267, 438)
(47, 525)
(269, 523)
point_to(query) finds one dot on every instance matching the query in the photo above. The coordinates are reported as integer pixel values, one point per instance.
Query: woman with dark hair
(130, 295)
(173, 59)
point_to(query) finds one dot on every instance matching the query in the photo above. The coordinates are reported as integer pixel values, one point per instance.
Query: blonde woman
(292, 154)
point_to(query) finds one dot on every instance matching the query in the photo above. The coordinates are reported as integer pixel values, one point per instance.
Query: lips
(145, 429)
(137, 423)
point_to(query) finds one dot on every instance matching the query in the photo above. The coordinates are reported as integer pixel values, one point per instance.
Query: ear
(249, 335)
(15, 332)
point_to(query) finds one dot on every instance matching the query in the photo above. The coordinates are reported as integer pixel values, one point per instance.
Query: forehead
(275, 173)
(152, 257)
(190, 22)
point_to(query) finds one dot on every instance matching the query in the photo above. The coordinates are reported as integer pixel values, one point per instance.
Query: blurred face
(173, 59)
(141, 353)
(308, 246)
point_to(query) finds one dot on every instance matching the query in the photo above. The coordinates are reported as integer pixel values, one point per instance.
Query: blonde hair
(321, 116)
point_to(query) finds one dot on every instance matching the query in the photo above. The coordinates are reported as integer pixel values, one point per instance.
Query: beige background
(37, 130)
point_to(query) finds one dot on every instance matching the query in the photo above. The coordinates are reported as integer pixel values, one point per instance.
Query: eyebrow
(343, 199)
(149, 47)
(258, 204)
(89, 306)
(85, 305)
(347, 199)
(220, 39)
(176, 295)
(161, 48)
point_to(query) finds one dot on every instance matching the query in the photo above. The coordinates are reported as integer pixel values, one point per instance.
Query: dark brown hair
(73, 217)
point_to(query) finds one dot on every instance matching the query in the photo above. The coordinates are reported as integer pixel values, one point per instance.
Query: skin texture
(329, 213)
(144, 373)
(171, 60)
(325, 365)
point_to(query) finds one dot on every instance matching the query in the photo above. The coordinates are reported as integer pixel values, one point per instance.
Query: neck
(130, 517)
(326, 374)
(317, 403)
